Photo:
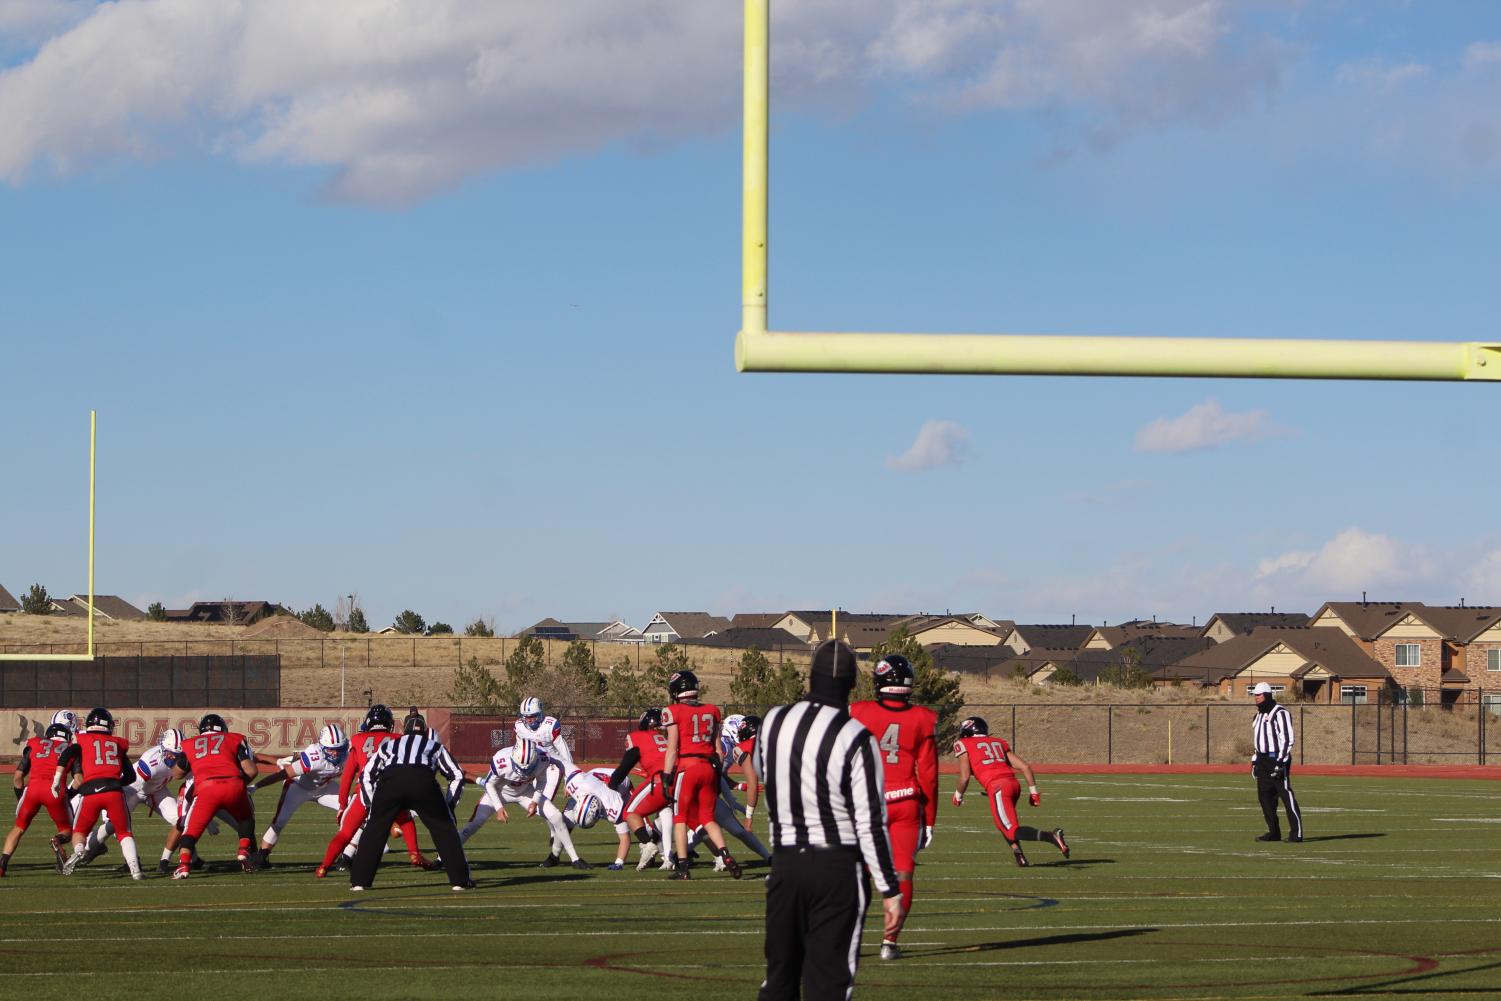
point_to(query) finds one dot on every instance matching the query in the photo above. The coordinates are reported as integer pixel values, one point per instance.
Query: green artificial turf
(1396, 893)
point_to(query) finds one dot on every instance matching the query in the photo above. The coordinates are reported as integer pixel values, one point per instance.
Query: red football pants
(1003, 796)
(111, 804)
(651, 799)
(349, 825)
(694, 792)
(213, 795)
(904, 825)
(35, 799)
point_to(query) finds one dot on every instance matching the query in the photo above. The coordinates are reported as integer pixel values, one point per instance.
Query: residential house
(239, 613)
(953, 629)
(755, 620)
(613, 631)
(8, 603)
(66, 608)
(1318, 663)
(744, 637)
(1473, 636)
(987, 661)
(1153, 654)
(671, 627)
(1023, 638)
(1423, 646)
(1224, 625)
(620, 632)
(107, 606)
(1110, 637)
(813, 626)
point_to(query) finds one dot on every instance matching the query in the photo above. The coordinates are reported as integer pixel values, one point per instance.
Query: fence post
(1380, 698)
(1352, 730)
(1302, 744)
(1109, 735)
(1206, 734)
(1013, 724)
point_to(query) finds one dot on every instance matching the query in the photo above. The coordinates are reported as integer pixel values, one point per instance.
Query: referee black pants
(815, 912)
(1269, 790)
(401, 788)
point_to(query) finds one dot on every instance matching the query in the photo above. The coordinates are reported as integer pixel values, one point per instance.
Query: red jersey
(362, 748)
(39, 760)
(211, 756)
(652, 745)
(698, 728)
(988, 758)
(909, 755)
(103, 757)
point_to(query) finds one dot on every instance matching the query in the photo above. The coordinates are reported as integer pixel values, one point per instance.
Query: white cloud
(1354, 560)
(406, 97)
(938, 444)
(1379, 76)
(1481, 54)
(1205, 425)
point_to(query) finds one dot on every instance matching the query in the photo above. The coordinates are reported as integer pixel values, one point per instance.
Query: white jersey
(503, 768)
(547, 737)
(152, 773)
(580, 785)
(311, 768)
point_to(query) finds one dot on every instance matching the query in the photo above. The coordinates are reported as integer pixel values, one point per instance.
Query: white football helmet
(532, 711)
(731, 727)
(585, 812)
(171, 741)
(67, 718)
(334, 743)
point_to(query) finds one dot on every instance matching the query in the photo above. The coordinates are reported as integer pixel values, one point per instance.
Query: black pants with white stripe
(402, 788)
(815, 912)
(1269, 790)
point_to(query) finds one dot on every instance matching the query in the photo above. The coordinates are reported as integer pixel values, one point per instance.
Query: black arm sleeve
(71, 754)
(127, 769)
(627, 762)
(25, 765)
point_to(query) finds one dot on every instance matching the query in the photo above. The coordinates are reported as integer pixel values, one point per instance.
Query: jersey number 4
(891, 743)
(201, 745)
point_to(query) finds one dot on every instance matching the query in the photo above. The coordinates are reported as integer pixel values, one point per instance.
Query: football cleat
(1018, 856)
(72, 861)
(579, 863)
(681, 872)
(719, 865)
(198, 864)
(247, 863)
(61, 856)
(320, 872)
(90, 854)
(356, 888)
(420, 861)
(648, 852)
(615, 866)
(2, 872)
(1057, 839)
(181, 872)
(341, 864)
(164, 866)
(548, 862)
(732, 865)
(137, 874)
(890, 950)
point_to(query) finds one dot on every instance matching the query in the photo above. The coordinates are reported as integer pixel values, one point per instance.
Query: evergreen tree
(36, 601)
(357, 622)
(525, 667)
(581, 681)
(440, 629)
(409, 623)
(156, 612)
(475, 686)
(479, 627)
(628, 690)
(318, 617)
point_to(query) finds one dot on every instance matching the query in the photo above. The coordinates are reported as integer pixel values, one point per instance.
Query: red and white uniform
(39, 762)
(909, 757)
(103, 760)
(696, 787)
(990, 764)
(652, 796)
(214, 759)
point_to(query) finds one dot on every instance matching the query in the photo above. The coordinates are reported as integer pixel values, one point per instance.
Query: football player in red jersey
(646, 752)
(33, 785)
(994, 765)
(221, 764)
(103, 760)
(692, 729)
(378, 727)
(909, 757)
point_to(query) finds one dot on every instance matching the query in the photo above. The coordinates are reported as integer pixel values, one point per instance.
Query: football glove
(17, 791)
(925, 838)
(958, 798)
(1033, 796)
(750, 812)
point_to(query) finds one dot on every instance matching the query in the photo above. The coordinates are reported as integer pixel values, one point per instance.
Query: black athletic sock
(646, 835)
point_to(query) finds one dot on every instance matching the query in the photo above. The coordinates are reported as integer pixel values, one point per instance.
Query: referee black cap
(833, 669)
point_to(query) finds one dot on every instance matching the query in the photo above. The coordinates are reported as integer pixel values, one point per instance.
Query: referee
(402, 774)
(1272, 735)
(825, 797)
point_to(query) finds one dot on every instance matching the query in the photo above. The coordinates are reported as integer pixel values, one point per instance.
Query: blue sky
(438, 308)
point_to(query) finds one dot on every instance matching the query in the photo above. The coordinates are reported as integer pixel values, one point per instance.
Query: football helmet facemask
(650, 720)
(750, 726)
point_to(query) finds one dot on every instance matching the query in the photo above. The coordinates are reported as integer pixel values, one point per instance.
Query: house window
(1353, 693)
(1493, 703)
(1276, 689)
(1493, 659)
(1409, 655)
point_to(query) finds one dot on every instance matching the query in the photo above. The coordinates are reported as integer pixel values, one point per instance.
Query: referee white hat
(1262, 688)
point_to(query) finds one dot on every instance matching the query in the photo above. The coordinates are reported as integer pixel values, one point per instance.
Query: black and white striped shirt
(825, 784)
(1272, 732)
(420, 750)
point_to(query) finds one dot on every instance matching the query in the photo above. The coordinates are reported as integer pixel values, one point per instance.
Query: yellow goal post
(759, 349)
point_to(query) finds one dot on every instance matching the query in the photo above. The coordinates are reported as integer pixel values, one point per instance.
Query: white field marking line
(1129, 799)
(1324, 788)
(1468, 820)
(871, 934)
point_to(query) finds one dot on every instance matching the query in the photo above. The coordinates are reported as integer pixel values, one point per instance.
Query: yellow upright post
(93, 435)
(756, 96)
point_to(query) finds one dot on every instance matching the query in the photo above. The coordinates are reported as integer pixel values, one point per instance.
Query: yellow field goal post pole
(758, 349)
(89, 652)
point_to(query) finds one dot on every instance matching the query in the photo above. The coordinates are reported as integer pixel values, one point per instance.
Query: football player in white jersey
(727, 805)
(534, 726)
(309, 776)
(590, 796)
(153, 771)
(524, 775)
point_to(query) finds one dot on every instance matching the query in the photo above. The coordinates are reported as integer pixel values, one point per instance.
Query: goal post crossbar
(759, 349)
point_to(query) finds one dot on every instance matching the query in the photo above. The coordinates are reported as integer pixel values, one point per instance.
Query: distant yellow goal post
(88, 653)
(760, 349)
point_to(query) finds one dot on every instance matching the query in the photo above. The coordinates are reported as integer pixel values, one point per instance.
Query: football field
(1396, 893)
